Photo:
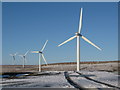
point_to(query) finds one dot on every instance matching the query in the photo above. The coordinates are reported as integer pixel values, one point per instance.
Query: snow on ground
(55, 80)
(80, 80)
(40, 81)
(106, 77)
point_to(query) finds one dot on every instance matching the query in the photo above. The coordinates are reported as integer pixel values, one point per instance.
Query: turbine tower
(41, 55)
(13, 55)
(78, 35)
(24, 58)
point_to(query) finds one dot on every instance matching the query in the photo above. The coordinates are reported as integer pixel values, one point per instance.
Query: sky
(28, 25)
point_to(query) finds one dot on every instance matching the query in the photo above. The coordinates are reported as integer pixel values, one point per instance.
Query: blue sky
(28, 25)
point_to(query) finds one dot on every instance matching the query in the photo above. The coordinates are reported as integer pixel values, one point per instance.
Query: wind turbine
(24, 58)
(78, 35)
(13, 55)
(41, 55)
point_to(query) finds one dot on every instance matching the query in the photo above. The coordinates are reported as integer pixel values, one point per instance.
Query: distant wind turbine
(41, 55)
(24, 58)
(13, 56)
(78, 35)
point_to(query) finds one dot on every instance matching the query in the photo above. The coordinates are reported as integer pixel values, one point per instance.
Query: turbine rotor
(78, 34)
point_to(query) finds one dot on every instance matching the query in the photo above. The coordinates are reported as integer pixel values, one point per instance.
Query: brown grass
(56, 66)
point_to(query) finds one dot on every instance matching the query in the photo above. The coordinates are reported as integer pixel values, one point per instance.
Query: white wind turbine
(13, 56)
(24, 58)
(41, 55)
(78, 35)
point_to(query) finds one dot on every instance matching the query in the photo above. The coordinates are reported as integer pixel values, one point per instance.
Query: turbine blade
(26, 53)
(67, 40)
(20, 55)
(34, 51)
(44, 45)
(11, 54)
(15, 53)
(80, 21)
(44, 59)
(90, 42)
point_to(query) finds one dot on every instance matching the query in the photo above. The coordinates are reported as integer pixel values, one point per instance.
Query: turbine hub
(78, 34)
(40, 52)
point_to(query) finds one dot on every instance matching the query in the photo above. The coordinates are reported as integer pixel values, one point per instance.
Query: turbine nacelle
(23, 56)
(78, 34)
(40, 52)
